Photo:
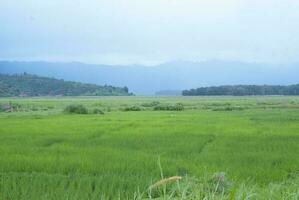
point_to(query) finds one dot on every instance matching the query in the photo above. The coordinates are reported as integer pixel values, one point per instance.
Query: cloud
(149, 31)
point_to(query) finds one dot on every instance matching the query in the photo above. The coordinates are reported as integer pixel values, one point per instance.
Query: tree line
(32, 85)
(243, 90)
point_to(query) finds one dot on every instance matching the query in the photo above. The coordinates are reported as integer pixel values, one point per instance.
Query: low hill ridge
(243, 90)
(33, 85)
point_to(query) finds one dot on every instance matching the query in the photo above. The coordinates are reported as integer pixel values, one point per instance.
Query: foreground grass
(23, 186)
(46, 154)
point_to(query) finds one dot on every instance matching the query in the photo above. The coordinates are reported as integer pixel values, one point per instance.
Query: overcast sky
(149, 31)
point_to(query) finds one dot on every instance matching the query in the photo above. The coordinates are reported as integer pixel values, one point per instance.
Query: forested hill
(32, 85)
(242, 90)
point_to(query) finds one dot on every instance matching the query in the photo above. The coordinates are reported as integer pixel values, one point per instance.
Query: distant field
(49, 154)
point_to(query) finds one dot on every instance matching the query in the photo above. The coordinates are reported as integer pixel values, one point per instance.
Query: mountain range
(146, 80)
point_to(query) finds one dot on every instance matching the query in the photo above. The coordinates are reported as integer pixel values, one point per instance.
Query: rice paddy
(119, 152)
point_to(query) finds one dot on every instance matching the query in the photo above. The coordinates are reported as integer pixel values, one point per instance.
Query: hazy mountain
(168, 76)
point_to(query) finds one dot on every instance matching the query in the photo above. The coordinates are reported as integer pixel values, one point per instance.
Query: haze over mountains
(146, 80)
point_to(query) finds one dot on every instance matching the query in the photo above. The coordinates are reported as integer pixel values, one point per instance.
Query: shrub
(176, 107)
(151, 104)
(229, 108)
(132, 108)
(34, 109)
(98, 111)
(12, 106)
(76, 109)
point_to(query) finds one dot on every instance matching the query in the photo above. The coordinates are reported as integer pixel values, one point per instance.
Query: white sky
(149, 31)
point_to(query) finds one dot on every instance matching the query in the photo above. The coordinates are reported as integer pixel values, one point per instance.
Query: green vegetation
(133, 108)
(242, 90)
(98, 111)
(176, 107)
(151, 104)
(31, 85)
(76, 109)
(222, 147)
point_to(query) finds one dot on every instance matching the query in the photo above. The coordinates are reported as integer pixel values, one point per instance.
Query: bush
(34, 109)
(76, 109)
(14, 105)
(176, 107)
(229, 108)
(98, 111)
(132, 108)
(151, 104)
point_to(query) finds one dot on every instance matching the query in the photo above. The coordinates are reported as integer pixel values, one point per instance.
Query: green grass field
(48, 154)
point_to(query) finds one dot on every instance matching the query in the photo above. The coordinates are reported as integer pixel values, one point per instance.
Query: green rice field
(123, 145)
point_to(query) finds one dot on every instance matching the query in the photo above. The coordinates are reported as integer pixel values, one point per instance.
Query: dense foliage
(176, 107)
(132, 108)
(242, 90)
(32, 85)
(76, 109)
